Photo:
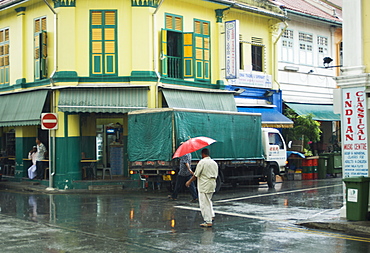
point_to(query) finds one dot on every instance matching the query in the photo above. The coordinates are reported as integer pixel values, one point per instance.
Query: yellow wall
(82, 36)
(26, 131)
(338, 38)
(22, 34)
(135, 35)
(73, 125)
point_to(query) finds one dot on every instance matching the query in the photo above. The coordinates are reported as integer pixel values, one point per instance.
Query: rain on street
(248, 219)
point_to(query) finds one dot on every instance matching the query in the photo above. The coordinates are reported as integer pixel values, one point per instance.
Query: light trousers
(206, 207)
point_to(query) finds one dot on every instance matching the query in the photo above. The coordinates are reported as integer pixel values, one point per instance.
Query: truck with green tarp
(245, 152)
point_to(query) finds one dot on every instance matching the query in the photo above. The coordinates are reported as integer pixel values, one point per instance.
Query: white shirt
(40, 152)
(206, 173)
(33, 157)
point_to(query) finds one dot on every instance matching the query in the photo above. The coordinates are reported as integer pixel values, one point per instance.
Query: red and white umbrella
(192, 145)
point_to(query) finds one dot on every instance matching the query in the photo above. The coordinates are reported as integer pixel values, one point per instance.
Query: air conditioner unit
(291, 68)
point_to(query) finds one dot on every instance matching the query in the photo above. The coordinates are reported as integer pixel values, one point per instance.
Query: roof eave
(11, 4)
(248, 8)
(298, 13)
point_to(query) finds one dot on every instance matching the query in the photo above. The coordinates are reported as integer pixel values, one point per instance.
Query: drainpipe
(275, 57)
(53, 98)
(155, 52)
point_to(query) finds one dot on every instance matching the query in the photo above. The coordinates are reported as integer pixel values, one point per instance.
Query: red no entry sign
(49, 121)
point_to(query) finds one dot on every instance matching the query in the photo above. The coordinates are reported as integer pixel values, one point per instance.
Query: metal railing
(174, 67)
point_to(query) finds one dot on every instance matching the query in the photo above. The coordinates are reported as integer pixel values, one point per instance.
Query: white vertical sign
(232, 49)
(354, 132)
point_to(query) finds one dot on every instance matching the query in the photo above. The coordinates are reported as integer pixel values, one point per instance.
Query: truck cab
(274, 148)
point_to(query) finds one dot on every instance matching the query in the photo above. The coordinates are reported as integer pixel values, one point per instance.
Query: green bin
(330, 163)
(337, 163)
(334, 163)
(357, 198)
(322, 168)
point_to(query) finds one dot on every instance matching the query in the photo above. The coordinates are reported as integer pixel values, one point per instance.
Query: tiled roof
(326, 9)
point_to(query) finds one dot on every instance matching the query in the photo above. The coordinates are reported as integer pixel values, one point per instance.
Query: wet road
(248, 219)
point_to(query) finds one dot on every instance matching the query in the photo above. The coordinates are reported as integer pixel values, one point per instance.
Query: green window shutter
(202, 52)
(164, 58)
(103, 43)
(40, 48)
(2, 75)
(188, 53)
(43, 54)
(199, 56)
(110, 64)
(4, 56)
(97, 65)
(6, 75)
(173, 22)
(37, 55)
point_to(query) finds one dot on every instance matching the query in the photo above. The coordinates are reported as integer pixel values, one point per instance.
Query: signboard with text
(232, 49)
(354, 132)
(252, 79)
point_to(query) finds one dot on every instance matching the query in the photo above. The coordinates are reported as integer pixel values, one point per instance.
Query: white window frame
(322, 48)
(305, 48)
(287, 46)
(246, 55)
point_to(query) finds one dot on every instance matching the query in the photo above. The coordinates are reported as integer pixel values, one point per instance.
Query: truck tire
(218, 184)
(219, 181)
(271, 177)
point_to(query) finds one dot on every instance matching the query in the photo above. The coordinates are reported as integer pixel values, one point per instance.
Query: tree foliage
(304, 125)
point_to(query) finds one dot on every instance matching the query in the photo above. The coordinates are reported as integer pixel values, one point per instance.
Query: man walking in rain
(184, 175)
(206, 172)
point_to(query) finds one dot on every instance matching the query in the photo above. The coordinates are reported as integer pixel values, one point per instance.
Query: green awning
(22, 109)
(319, 112)
(219, 101)
(103, 100)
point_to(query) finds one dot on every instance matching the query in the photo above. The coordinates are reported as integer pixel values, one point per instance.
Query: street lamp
(327, 61)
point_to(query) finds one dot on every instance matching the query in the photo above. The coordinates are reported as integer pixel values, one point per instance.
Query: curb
(359, 228)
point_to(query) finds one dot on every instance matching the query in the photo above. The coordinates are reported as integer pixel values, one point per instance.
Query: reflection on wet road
(248, 219)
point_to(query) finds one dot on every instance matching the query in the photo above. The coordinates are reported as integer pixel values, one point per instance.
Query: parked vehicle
(245, 152)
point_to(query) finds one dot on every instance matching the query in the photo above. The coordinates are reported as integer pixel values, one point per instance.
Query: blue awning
(270, 117)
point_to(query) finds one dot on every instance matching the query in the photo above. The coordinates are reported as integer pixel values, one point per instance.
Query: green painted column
(68, 152)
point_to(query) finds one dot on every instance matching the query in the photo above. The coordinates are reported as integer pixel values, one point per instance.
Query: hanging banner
(232, 49)
(354, 132)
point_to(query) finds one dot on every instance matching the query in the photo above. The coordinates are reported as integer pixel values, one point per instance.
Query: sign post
(49, 121)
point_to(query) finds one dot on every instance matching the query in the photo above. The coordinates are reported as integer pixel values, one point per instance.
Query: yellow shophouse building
(90, 62)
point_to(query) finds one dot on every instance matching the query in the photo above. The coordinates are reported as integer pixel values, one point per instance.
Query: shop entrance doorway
(110, 144)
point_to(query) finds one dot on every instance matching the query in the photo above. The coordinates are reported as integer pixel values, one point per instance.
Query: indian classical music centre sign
(354, 132)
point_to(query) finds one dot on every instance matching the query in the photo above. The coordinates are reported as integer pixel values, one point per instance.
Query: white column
(352, 38)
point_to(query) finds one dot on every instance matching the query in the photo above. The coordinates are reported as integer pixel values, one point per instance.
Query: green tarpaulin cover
(155, 135)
